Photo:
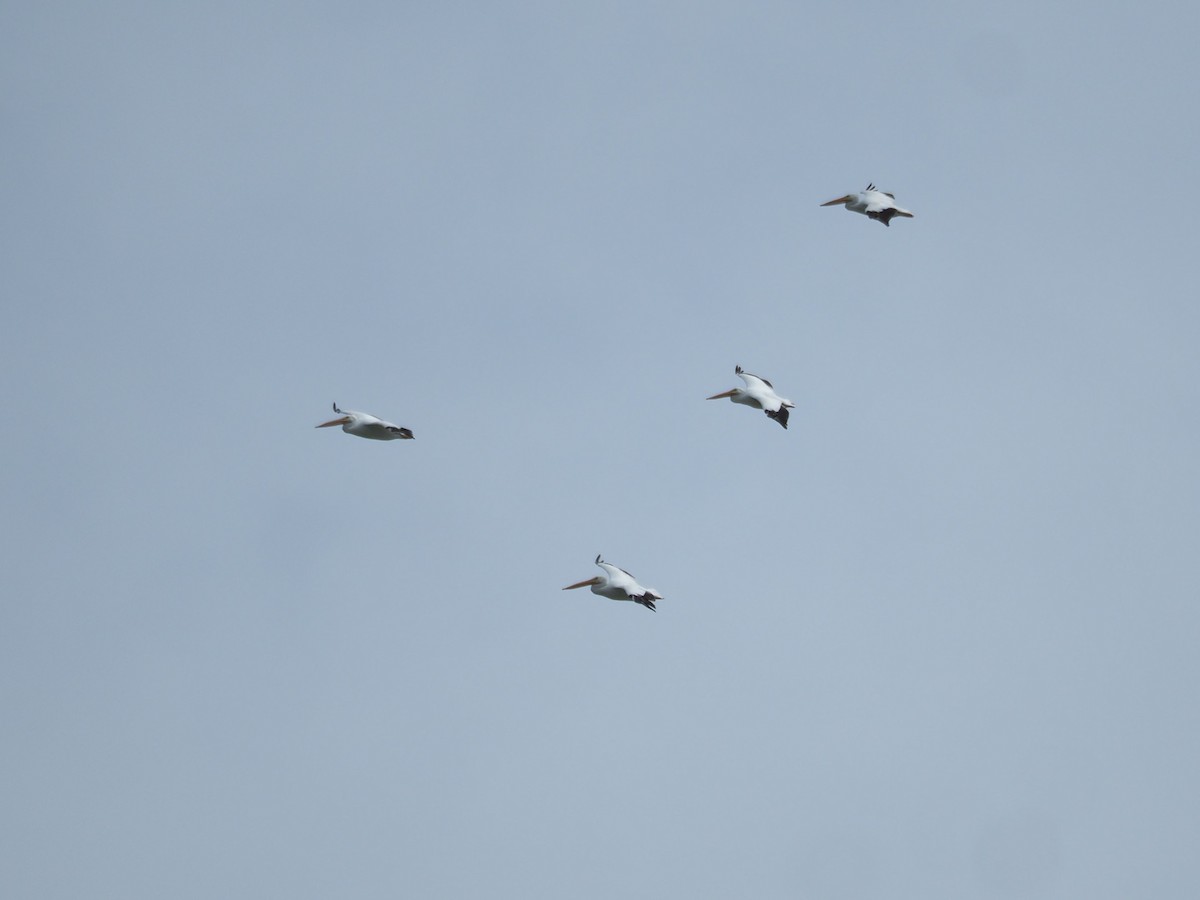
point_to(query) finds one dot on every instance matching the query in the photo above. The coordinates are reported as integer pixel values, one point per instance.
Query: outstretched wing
(876, 205)
(753, 382)
(780, 415)
(882, 214)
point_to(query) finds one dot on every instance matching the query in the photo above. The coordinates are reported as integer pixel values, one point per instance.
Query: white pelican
(617, 584)
(367, 426)
(758, 393)
(876, 204)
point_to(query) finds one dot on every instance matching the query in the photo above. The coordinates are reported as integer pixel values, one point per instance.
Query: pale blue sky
(937, 640)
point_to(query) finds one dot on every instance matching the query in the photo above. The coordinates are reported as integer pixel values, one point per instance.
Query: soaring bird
(876, 204)
(367, 426)
(617, 584)
(760, 394)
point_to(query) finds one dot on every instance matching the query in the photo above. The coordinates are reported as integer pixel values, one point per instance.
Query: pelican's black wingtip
(780, 415)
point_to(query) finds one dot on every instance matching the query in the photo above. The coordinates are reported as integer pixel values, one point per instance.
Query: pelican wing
(779, 415)
(617, 576)
(882, 207)
(754, 382)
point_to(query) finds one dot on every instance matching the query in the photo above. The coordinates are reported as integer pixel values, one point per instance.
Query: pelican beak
(845, 199)
(342, 421)
(728, 393)
(580, 584)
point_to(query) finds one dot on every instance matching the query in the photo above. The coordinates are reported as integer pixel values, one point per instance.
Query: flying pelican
(758, 393)
(617, 584)
(876, 204)
(367, 426)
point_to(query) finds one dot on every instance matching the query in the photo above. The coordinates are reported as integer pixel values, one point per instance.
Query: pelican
(876, 204)
(758, 393)
(367, 426)
(617, 584)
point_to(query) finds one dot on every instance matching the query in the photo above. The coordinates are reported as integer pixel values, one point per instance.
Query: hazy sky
(936, 640)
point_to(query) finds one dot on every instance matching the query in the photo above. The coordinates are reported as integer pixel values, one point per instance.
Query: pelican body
(617, 584)
(367, 426)
(876, 204)
(760, 394)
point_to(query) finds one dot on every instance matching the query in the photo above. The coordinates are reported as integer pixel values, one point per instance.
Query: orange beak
(580, 584)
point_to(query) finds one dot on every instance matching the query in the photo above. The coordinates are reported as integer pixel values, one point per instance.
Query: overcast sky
(936, 640)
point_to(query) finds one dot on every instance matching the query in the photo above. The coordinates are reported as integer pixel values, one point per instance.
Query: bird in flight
(876, 204)
(364, 425)
(617, 584)
(760, 394)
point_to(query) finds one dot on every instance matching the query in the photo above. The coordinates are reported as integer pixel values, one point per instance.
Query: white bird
(760, 394)
(367, 426)
(876, 204)
(617, 584)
